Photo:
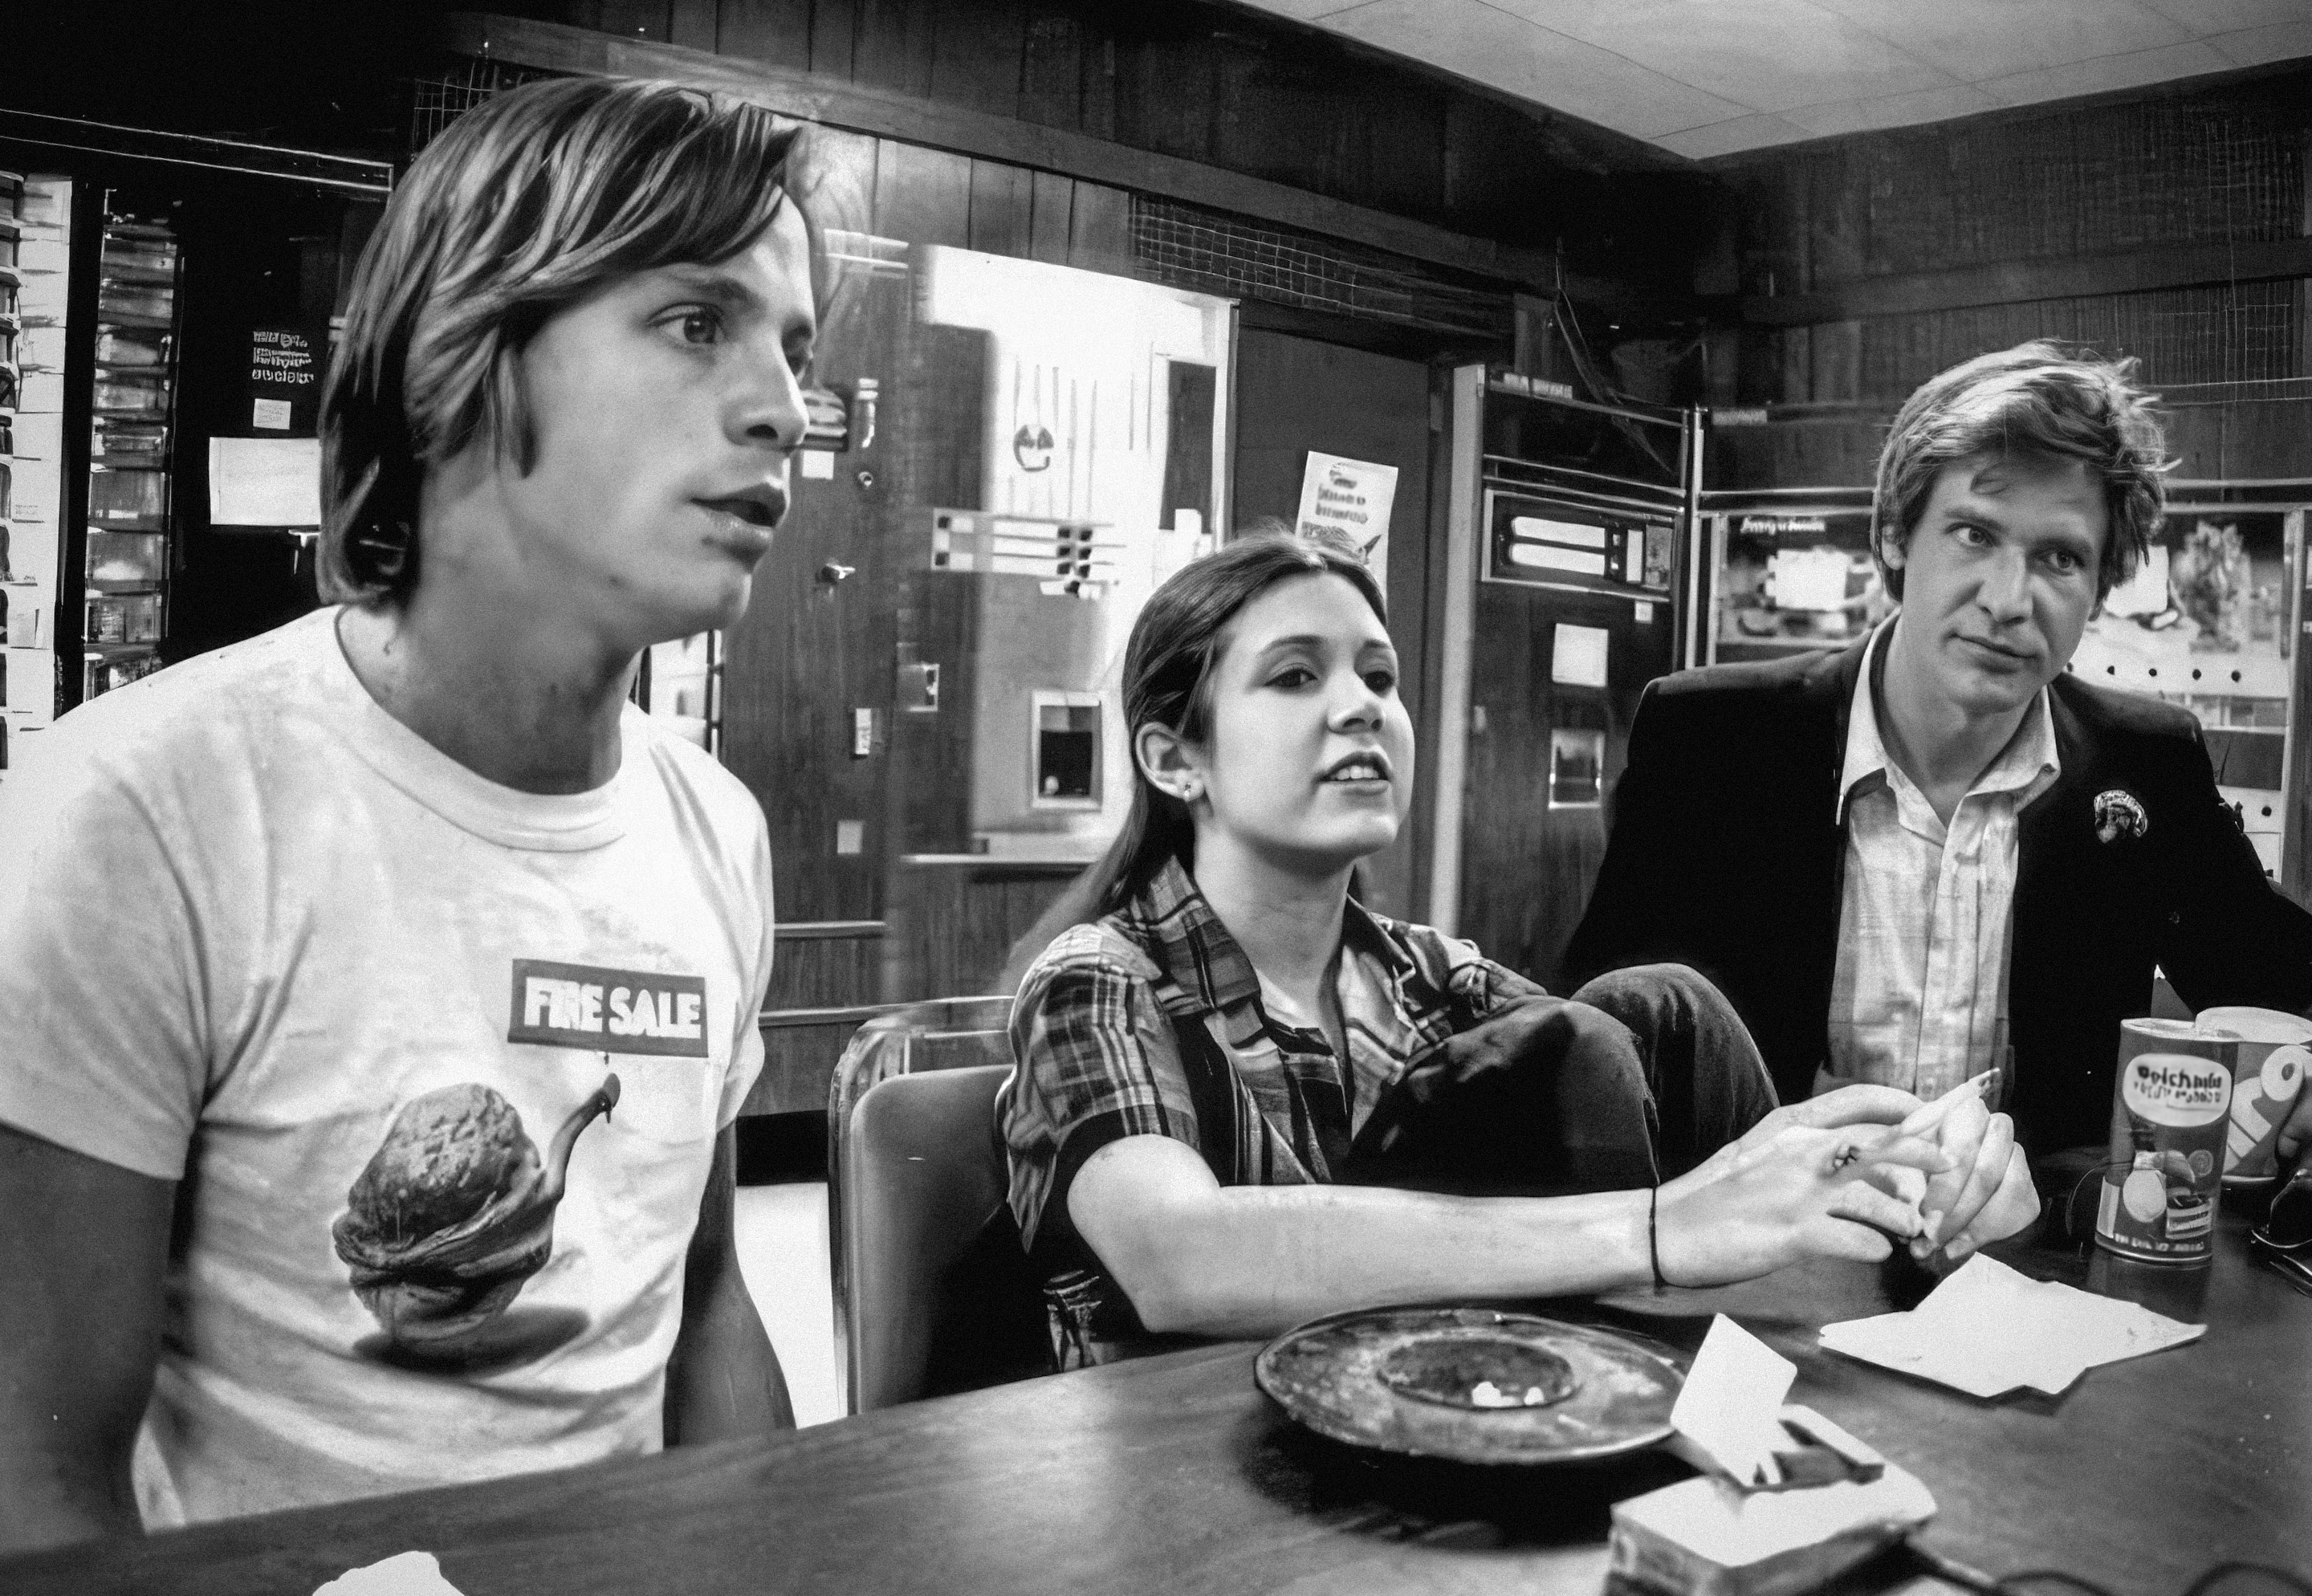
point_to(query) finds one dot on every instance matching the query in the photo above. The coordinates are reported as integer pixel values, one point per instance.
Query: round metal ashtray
(1480, 1385)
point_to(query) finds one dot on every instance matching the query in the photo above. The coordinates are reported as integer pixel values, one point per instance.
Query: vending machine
(122, 545)
(1786, 571)
(2211, 620)
(88, 566)
(1567, 541)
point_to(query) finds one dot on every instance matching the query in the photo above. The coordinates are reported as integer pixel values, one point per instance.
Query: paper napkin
(409, 1574)
(1728, 1407)
(1987, 1329)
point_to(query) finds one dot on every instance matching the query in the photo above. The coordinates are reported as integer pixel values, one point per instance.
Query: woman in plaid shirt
(1241, 1099)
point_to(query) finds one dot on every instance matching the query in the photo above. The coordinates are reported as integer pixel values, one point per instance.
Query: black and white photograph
(1159, 797)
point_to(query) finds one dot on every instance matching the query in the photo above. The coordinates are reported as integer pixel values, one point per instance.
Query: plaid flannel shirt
(1097, 1056)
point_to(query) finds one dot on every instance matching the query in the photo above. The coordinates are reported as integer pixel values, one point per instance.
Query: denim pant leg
(1548, 1097)
(1641, 1075)
(1707, 1081)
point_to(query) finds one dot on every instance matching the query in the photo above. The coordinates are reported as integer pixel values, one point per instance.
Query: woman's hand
(1986, 1193)
(1793, 1189)
(1847, 1106)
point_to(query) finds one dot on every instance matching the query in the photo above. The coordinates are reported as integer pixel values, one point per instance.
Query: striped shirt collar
(2030, 759)
(1177, 927)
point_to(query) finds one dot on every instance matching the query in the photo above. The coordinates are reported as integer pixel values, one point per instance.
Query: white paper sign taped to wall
(1350, 497)
(1809, 578)
(264, 482)
(1577, 655)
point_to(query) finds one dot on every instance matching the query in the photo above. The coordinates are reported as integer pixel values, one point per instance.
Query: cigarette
(1924, 1118)
(1928, 1115)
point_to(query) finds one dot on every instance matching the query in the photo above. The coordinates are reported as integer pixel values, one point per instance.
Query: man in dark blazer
(1782, 826)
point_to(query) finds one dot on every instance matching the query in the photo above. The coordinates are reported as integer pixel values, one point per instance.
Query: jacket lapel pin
(2119, 812)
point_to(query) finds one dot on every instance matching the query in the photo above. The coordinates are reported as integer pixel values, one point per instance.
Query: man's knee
(1596, 1047)
(1537, 1051)
(1647, 997)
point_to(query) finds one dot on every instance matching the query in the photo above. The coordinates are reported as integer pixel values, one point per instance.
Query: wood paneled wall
(956, 925)
(2174, 227)
(1297, 394)
(798, 1064)
(1232, 89)
(807, 650)
(2211, 438)
(825, 967)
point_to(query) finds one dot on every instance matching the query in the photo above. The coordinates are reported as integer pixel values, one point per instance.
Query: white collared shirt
(1919, 996)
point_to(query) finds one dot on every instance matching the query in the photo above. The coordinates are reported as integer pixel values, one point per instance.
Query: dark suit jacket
(1727, 855)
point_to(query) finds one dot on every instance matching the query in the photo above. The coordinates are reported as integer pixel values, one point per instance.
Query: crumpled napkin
(407, 1574)
(1988, 1328)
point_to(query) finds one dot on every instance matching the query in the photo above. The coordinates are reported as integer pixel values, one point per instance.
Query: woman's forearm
(1268, 1258)
(1252, 1260)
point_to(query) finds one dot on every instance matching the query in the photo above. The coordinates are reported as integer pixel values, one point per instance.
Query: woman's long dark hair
(1167, 668)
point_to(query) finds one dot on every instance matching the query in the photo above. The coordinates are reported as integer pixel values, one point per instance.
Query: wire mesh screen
(1188, 248)
(441, 101)
(2243, 332)
(2167, 171)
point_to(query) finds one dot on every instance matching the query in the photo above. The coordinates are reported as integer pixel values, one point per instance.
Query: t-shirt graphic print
(448, 1221)
(454, 1212)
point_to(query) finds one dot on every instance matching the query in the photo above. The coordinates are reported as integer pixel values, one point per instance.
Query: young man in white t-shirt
(378, 994)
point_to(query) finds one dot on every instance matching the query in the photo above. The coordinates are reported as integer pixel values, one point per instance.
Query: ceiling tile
(1974, 39)
(2105, 72)
(1893, 110)
(1727, 138)
(1481, 42)
(1708, 77)
(2253, 46)
(2208, 17)
(1765, 54)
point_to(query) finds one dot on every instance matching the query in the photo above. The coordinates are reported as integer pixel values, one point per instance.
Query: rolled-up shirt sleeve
(1493, 989)
(1455, 976)
(1094, 1060)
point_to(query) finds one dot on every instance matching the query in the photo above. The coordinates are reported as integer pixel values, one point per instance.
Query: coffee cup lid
(2259, 1025)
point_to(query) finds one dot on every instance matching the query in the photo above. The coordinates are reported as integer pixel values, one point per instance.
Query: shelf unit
(132, 436)
(1759, 606)
(12, 659)
(35, 242)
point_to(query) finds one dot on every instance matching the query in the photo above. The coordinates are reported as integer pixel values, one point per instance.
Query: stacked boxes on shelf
(126, 574)
(35, 255)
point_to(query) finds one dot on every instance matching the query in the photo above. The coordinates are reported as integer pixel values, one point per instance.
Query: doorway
(1296, 394)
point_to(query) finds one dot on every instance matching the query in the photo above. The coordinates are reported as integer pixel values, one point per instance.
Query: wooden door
(821, 713)
(810, 654)
(1297, 394)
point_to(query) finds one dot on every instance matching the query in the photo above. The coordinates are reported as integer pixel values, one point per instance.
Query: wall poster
(1351, 496)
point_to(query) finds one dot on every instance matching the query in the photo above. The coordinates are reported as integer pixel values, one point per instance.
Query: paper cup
(2275, 1052)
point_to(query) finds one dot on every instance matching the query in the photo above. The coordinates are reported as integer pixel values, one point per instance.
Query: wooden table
(1176, 1475)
